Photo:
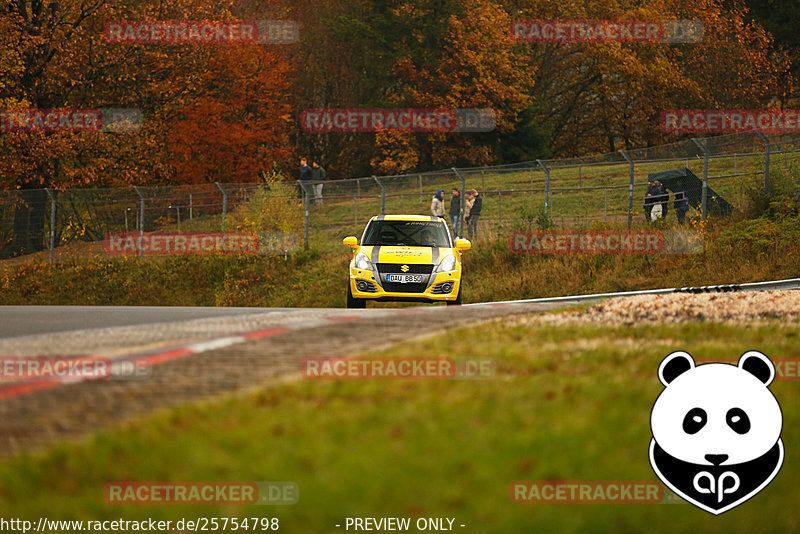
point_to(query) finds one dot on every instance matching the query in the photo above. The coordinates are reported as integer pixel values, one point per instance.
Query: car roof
(406, 218)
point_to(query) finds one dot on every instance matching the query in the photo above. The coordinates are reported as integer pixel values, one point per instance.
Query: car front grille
(396, 268)
(413, 268)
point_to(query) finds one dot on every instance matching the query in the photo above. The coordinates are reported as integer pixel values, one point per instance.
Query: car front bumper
(435, 290)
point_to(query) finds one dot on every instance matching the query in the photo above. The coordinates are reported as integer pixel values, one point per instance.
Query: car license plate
(404, 278)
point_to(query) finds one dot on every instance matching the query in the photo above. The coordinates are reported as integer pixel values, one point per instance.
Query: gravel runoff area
(736, 307)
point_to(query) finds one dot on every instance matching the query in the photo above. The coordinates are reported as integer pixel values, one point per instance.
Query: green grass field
(567, 403)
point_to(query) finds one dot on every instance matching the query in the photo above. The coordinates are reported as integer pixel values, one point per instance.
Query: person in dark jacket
(662, 198)
(474, 214)
(305, 177)
(681, 203)
(455, 208)
(650, 200)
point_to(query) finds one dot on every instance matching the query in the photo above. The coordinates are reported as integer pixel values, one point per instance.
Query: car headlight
(448, 263)
(362, 262)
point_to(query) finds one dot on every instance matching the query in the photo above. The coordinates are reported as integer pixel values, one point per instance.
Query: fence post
(767, 150)
(141, 219)
(483, 180)
(546, 186)
(52, 224)
(605, 203)
(306, 192)
(704, 197)
(421, 197)
(383, 194)
(224, 203)
(191, 206)
(630, 186)
(460, 228)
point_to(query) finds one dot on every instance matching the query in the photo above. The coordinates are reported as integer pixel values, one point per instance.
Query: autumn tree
(779, 18)
(470, 62)
(237, 125)
(344, 59)
(217, 99)
(601, 97)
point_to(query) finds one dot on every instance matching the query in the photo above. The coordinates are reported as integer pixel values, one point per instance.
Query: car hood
(411, 255)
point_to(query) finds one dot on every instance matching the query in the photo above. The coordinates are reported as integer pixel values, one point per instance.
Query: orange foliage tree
(602, 97)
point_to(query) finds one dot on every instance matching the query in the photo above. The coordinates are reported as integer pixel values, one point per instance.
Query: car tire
(457, 301)
(353, 302)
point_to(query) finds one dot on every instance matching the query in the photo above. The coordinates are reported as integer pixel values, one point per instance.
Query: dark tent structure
(694, 189)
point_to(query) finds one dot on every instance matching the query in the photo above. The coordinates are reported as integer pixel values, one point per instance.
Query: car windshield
(407, 233)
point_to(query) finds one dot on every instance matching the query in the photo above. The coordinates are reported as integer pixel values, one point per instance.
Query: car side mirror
(350, 242)
(463, 245)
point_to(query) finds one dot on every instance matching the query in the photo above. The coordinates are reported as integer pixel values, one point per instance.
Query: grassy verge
(736, 252)
(568, 403)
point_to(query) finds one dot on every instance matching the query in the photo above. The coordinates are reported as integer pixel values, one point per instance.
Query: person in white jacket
(437, 204)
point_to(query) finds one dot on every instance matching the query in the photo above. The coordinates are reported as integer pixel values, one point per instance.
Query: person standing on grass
(317, 177)
(468, 201)
(437, 204)
(305, 177)
(474, 214)
(650, 200)
(662, 198)
(455, 208)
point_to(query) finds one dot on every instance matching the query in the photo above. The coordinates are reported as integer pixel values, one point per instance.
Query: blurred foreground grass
(568, 403)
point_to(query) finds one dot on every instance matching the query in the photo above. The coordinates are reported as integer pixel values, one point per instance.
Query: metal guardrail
(791, 283)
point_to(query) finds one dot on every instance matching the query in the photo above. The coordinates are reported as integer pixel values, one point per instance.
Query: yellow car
(409, 258)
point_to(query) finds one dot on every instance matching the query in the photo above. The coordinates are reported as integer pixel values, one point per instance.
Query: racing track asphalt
(189, 354)
(32, 320)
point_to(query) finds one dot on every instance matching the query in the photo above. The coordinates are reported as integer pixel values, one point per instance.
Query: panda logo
(716, 430)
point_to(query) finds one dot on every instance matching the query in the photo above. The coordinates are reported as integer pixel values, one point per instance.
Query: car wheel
(457, 301)
(353, 302)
